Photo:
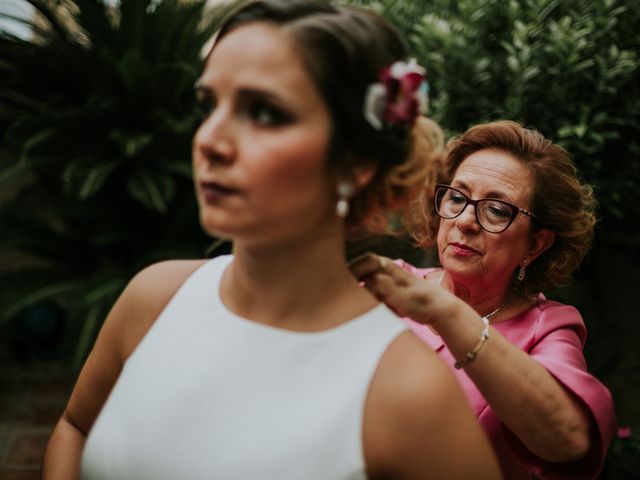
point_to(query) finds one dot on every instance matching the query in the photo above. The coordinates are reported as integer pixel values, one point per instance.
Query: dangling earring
(523, 271)
(344, 190)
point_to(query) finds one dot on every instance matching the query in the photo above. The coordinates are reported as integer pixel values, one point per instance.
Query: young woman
(273, 362)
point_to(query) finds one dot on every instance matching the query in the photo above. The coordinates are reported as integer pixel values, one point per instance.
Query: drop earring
(523, 271)
(344, 190)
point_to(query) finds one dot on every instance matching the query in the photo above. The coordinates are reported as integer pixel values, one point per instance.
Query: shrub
(96, 118)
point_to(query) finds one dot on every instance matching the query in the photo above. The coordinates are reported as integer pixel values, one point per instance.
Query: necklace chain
(496, 311)
(500, 307)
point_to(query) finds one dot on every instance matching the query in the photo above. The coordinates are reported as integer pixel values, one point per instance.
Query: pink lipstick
(464, 250)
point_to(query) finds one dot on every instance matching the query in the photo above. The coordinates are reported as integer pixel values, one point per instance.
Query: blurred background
(96, 119)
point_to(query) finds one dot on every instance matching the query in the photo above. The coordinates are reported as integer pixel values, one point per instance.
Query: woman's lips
(214, 192)
(462, 249)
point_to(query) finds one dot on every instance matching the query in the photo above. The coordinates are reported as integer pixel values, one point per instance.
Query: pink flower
(624, 432)
(399, 97)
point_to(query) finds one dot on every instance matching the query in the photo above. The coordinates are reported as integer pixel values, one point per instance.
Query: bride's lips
(213, 192)
(462, 249)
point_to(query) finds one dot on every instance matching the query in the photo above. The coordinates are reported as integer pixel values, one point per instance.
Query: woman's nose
(214, 141)
(467, 220)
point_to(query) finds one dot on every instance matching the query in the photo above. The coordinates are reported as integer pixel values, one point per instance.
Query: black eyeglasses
(492, 214)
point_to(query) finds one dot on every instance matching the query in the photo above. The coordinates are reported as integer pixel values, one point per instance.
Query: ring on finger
(382, 266)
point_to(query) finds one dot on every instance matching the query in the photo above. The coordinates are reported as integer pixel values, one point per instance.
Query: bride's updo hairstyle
(345, 50)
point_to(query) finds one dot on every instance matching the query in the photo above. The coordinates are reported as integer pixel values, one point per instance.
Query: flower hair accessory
(400, 95)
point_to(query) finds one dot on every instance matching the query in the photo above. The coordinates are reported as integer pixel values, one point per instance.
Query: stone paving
(32, 397)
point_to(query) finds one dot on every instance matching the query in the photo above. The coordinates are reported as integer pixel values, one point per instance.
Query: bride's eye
(205, 104)
(205, 100)
(267, 115)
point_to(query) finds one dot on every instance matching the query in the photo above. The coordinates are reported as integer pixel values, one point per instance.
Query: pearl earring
(344, 190)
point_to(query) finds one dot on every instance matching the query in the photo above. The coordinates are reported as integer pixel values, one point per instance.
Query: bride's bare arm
(128, 321)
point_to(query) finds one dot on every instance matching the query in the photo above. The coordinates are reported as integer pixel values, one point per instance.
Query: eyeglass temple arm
(526, 212)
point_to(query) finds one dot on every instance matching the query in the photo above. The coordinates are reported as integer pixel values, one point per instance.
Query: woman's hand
(404, 293)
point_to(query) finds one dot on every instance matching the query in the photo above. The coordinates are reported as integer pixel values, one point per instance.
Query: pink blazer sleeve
(557, 343)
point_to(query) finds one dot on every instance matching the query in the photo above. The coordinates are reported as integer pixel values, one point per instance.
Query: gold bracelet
(471, 356)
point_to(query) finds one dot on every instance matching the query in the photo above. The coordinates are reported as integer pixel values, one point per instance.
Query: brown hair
(344, 49)
(561, 202)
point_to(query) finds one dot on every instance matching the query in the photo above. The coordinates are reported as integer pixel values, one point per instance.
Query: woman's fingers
(387, 281)
(366, 265)
(371, 264)
(403, 292)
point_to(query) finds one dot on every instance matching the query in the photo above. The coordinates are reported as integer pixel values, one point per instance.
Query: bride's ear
(362, 176)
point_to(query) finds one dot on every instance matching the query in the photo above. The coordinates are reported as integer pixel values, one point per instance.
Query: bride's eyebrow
(245, 93)
(263, 95)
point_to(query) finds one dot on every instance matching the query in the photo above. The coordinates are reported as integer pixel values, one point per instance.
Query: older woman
(510, 219)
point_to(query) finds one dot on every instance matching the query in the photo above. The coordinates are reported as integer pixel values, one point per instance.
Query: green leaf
(45, 293)
(96, 177)
(105, 290)
(34, 141)
(82, 178)
(131, 145)
(149, 189)
(9, 175)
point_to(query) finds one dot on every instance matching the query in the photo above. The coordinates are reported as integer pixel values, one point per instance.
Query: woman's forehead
(259, 56)
(492, 173)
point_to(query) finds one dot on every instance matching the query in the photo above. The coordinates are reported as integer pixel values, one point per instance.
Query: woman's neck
(499, 299)
(303, 286)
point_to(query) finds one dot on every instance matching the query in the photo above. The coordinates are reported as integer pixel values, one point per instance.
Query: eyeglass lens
(493, 215)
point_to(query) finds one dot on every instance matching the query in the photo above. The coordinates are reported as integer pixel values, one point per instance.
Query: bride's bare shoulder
(158, 282)
(144, 298)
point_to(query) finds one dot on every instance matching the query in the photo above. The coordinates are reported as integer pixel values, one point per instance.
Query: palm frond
(96, 117)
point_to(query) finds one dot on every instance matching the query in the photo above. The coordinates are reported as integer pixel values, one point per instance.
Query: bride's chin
(214, 227)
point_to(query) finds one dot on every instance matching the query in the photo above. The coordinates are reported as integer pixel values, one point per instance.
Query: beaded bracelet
(471, 356)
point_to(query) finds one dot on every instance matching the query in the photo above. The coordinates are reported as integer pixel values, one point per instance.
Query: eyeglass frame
(469, 201)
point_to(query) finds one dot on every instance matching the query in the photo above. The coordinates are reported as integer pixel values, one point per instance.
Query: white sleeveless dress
(210, 395)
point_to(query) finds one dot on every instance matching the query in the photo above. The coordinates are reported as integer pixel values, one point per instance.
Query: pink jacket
(554, 334)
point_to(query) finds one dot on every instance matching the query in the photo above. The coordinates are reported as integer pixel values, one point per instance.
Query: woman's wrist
(451, 314)
(454, 317)
(471, 355)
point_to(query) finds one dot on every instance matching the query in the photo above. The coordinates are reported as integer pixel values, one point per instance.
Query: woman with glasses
(510, 219)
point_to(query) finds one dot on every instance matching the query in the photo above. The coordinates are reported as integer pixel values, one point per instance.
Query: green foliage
(568, 68)
(96, 115)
